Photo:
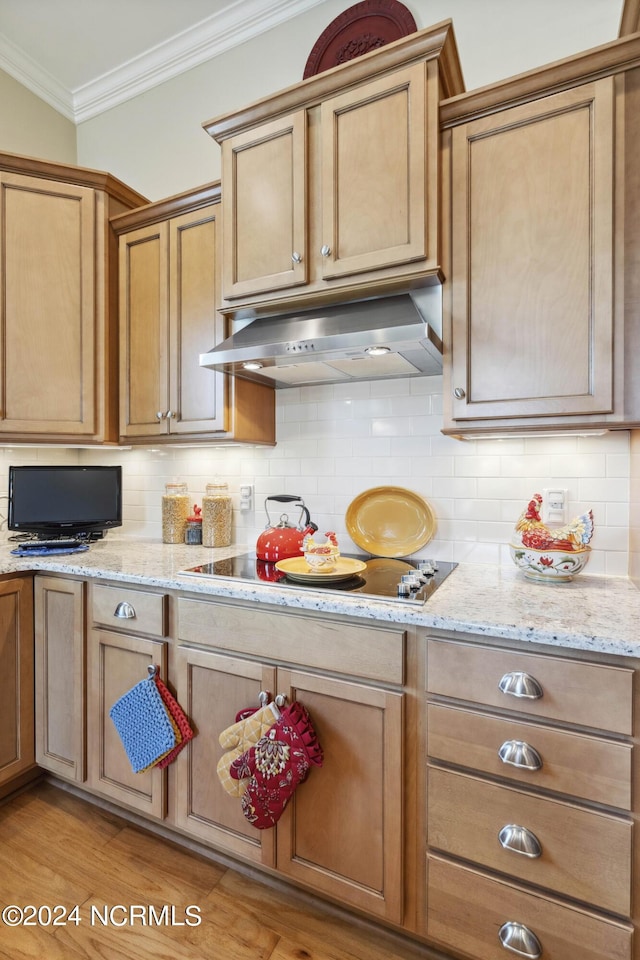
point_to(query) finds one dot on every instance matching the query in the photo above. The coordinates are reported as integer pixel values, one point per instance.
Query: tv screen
(65, 501)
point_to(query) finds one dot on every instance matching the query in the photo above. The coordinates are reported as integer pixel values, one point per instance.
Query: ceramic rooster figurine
(535, 534)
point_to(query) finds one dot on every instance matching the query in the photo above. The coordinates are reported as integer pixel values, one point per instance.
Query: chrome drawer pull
(520, 840)
(519, 939)
(518, 753)
(521, 685)
(124, 611)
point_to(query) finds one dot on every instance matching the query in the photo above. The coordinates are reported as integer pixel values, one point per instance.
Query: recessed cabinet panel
(197, 395)
(373, 199)
(114, 665)
(264, 207)
(532, 254)
(355, 858)
(48, 265)
(144, 322)
(211, 688)
(60, 676)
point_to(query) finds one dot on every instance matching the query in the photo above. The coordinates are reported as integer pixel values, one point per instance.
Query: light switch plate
(246, 497)
(554, 504)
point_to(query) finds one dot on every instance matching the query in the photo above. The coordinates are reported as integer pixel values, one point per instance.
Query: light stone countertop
(590, 613)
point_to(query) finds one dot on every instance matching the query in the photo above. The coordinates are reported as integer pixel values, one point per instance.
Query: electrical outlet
(554, 505)
(246, 497)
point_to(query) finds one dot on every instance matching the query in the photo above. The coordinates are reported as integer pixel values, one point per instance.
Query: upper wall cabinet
(543, 254)
(169, 283)
(58, 314)
(330, 189)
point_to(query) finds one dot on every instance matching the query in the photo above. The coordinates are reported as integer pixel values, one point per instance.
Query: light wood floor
(58, 849)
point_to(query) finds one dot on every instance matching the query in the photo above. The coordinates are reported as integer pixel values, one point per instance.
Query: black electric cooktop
(380, 580)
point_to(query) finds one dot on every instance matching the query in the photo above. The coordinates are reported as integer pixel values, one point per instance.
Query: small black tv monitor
(63, 501)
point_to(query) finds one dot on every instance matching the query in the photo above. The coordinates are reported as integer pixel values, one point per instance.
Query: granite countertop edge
(593, 613)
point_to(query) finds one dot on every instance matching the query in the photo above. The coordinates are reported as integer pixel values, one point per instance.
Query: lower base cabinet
(341, 833)
(367, 829)
(530, 803)
(127, 636)
(17, 751)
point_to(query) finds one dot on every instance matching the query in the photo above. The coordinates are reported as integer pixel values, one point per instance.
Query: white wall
(156, 143)
(31, 127)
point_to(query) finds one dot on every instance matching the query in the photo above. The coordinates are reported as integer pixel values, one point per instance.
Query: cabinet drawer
(573, 763)
(371, 652)
(584, 854)
(134, 611)
(466, 909)
(592, 694)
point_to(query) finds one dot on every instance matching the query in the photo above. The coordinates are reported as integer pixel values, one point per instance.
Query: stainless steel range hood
(337, 344)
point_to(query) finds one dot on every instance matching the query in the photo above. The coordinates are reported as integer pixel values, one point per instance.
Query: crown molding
(20, 66)
(207, 39)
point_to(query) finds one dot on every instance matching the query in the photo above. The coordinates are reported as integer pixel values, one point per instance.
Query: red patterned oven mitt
(276, 766)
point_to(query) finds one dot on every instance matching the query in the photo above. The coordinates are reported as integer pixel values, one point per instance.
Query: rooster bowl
(550, 566)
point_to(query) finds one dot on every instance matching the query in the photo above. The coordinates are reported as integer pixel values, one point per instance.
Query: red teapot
(284, 540)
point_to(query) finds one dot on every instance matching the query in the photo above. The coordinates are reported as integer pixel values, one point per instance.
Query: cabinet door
(48, 311)
(197, 395)
(374, 164)
(144, 331)
(264, 207)
(532, 247)
(17, 754)
(211, 689)
(115, 663)
(60, 676)
(342, 831)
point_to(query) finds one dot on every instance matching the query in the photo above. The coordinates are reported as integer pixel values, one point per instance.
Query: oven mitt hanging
(238, 738)
(143, 724)
(276, 766)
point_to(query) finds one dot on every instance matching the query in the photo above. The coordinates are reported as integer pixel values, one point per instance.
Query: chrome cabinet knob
(518, 839)
(159, 415)
(325, 250)
(296, 257)
(124, 611)
(521, 685)
(518, 753)
(170, 414)
(519, 939)
(459, 393)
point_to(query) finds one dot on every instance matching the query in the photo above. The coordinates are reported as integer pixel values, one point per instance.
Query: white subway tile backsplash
(610, 489)
(334, 441)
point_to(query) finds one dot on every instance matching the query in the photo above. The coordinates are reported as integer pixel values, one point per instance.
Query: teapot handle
(285, 498)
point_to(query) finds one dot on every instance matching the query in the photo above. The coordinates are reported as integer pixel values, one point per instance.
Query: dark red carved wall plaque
(363, 27)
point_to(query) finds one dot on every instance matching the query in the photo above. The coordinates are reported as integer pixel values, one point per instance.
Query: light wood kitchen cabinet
(17, 752)
(357, 859)
(540, 258)
(127, 636)
(169, 291)
(60, 631)
(530, 800)
(58, 318)
(331, 188)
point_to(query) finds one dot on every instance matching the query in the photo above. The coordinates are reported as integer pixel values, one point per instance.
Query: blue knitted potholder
(140, 717)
